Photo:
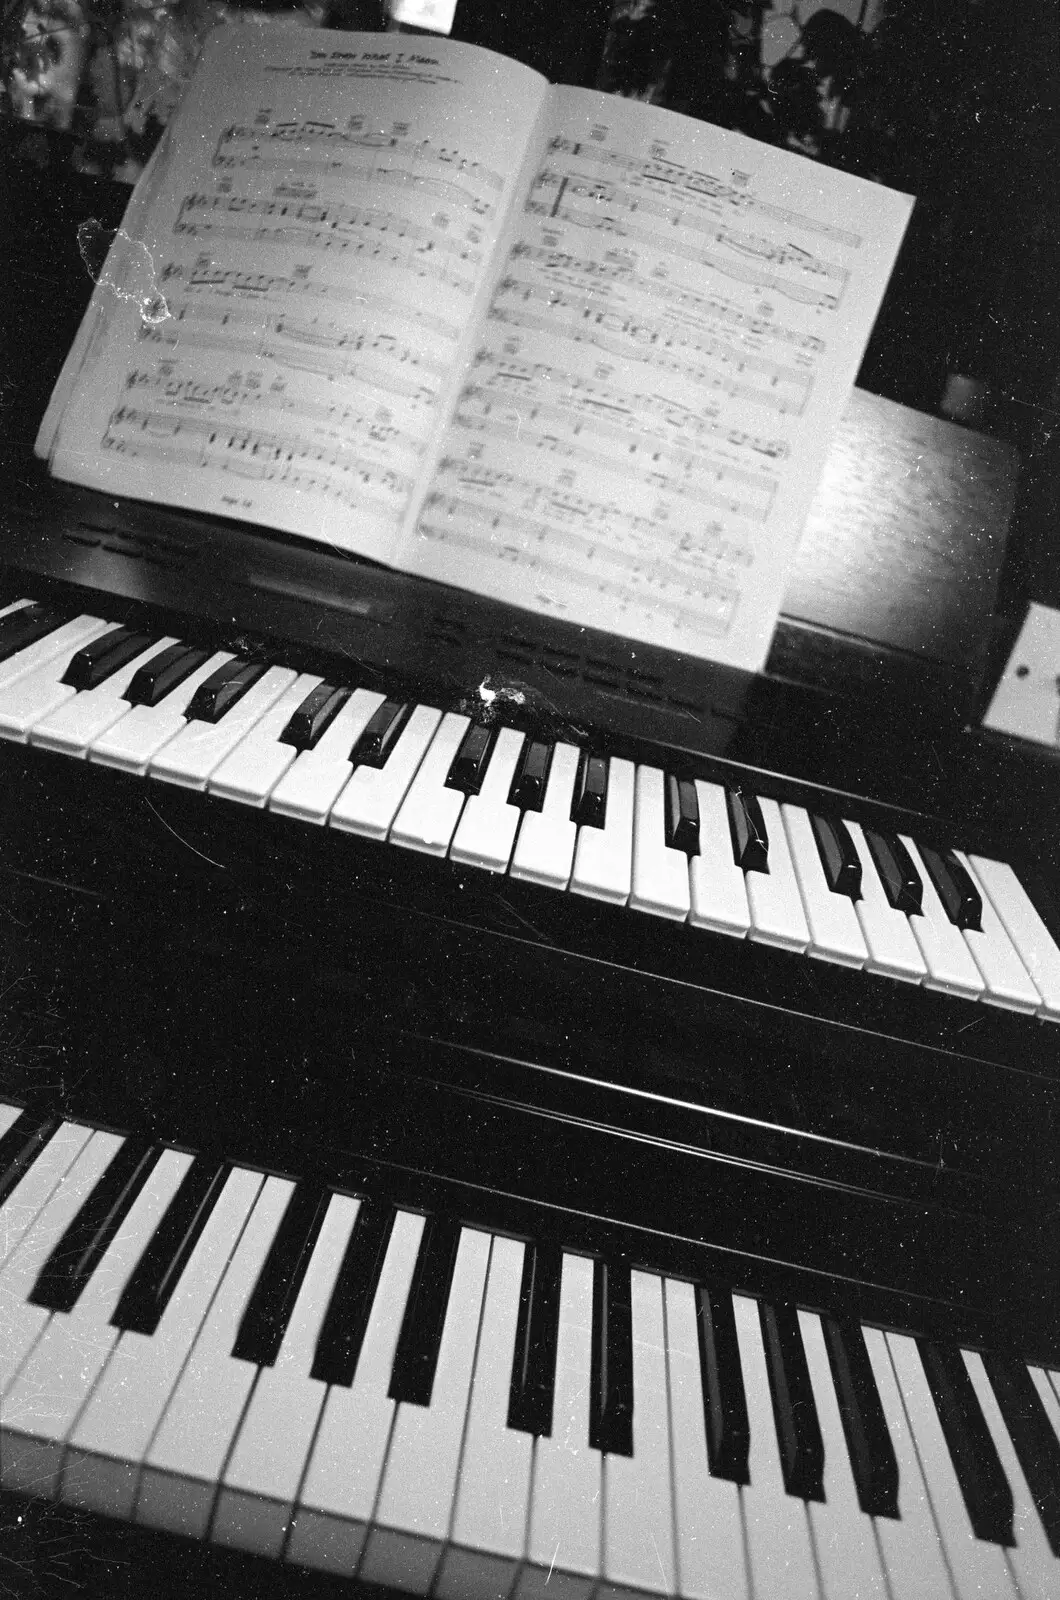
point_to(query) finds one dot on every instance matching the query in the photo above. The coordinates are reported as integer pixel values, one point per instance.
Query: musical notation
(349, 141)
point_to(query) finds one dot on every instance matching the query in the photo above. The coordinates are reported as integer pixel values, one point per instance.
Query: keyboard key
(748, 831)
(777, 915)
(660, 872)
(959, 896)
(94, 663)
(165, 672)
(1036, 1444)
(316, 778)
(949, 963)
(486, 831)
(145, 729)
(375, 743)
(892, 947)
(682, 815)
(1006, 980)
(531, 777)
(370, 801)
(77, 1254)
(544, 849)
(264, 1324)
(727, 1435)
(603, 856)
(1032, 1558)
(430, 810)
(36, 1159)
(258, 762)
(839, 859)
(27, 696)
(48, 638)
(159, 1270)
(1025, 927)
(901, 882)
(24, 1135)
(533, 1373)
(611, 1397)
(311, 719)
(798, 1431)
(589, 804)
(224, 689)
(22, 624)
(72, 727)
(342, 1332)
(421, 1330)
(974, 1454)
(202, 744)
(835, 933)
(717, 885)
(871, 1453)
(468, 767)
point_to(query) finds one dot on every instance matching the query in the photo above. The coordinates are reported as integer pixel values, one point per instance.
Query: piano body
(550, 1120)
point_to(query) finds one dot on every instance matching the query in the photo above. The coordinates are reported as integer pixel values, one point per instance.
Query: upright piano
(485, 1112)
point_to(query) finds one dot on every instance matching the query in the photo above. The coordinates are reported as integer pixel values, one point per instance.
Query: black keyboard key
(155, 1276)
(269, 1308)
(419, 1341)
(872, 1457)
(589, 805)
(99, 660)
(468, 766)
(318, 710)
(960, 898)
(342, 1331)
(682, 815)
(900, 879)
(536, 1335)
(794, 1408)
(531, 776)
(975, 1460)
(839, 858)
(21, 628)
(74, 1259)
(724, 1399)
(163, 673)
(611, 1380)
(223, 689)
(381, 734)
(20, 1147)
(1036, 1445)
(747, 826)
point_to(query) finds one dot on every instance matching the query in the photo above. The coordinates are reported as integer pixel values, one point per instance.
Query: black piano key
(960, 898)
(872, 1457)
(900, 879)
(419, 1341)
(724, 1398)
(839, 858)
(611, 1380)
(316, 713)
(21, 628)
(975, 1460)
(269, 1308)
(102, 657)
(74, 1259)
(380, 734)
(1036, 1445)
(750, 841)
(589, 804)
(536, 1335)
(20, 1147)
(794, 1408)
(531, 776)
(163, 673)
(468, 766)
(342, 1330)
(155, 1276)
(223, 689)
(682, 815)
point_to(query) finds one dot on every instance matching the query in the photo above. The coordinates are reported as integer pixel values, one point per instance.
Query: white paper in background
(1026, 701)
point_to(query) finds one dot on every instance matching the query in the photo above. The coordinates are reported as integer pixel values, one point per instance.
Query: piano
(485, 1113)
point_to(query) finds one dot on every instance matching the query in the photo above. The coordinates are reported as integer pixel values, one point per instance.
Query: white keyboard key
(258, 762)
(493, 1488)
(72, 727)
(419, 1479)
(430, 812)
(1021, 921)
(114, 1432)
(948, 960)
(603, 857)
(564, 1544)
(143, 731)
(1006, 980)
(190, 758)
(638, 1555)
(42, 1405)
(188, 1452)
(892, 947)
(1046, 1385)
(60, 644)
(336, 1500)
(37, 1184)
(486, 831)
(29, 696)
(544, 850)
(15, 605)
(310, 787)
(835, 933)
(660, 873)
(717, 887)
(265, 1468)
(370, 801)
(9, 1115)
(777, 915)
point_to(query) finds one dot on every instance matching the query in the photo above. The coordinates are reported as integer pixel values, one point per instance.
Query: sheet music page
(282, 343)
(675, 330)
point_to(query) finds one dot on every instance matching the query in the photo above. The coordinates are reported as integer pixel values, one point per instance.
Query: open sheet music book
(567, 350)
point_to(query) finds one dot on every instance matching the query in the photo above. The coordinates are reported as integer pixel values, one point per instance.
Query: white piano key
(948, 960)
(564, 1551)
(15, 605)
(199, 747)
(1036, 1569)
(892, 947)
(1050, 1397)
(251, 771)
(1006, 980)
(603, 857)
(430, 812)
(8, 1114)
(544, 850)
(1024, 926)
(370, 801)
(777, 915)
(978, 1567)
(835, 933)
(29, 696)
(493, 1488)
(113, 1434)
(37, 1184)
(72, 726)
(265, 1468)
(132, 741)
(708, 1511)
(415, 1503)
(486, 831)
(310, 787)
(60, 644)
(42, 1405)
(717, 887)
(660, 873)
(186, 1456)
(337, 1497)
(638, 1522)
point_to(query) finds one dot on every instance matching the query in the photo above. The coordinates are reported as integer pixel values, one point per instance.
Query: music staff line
(332, 218)
(315, 334)
(364, 172)
(311, 132)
